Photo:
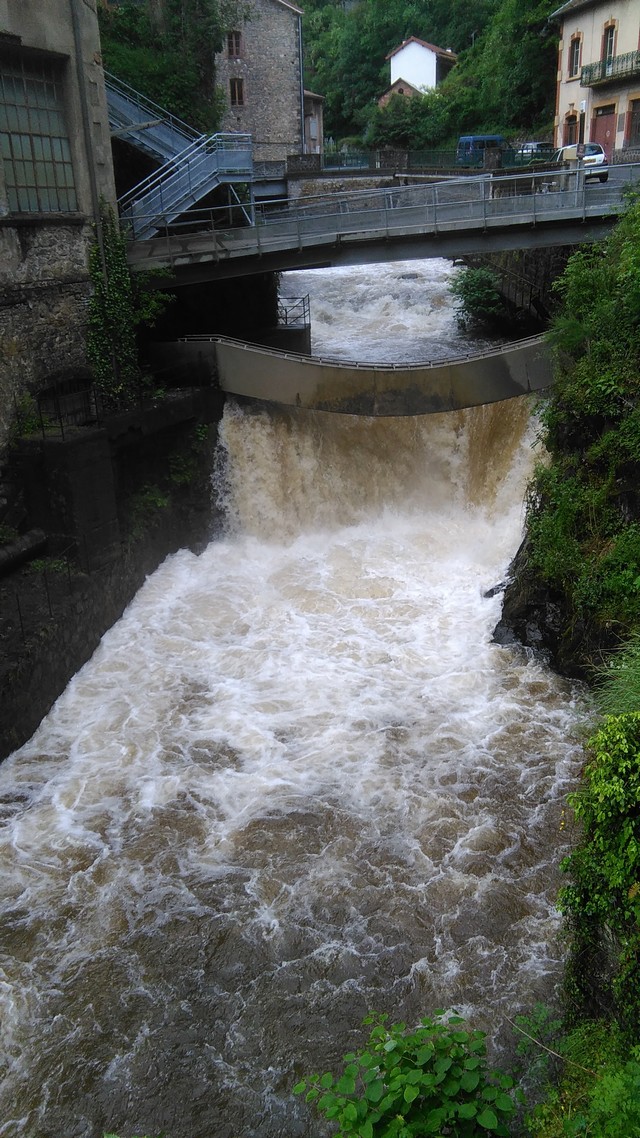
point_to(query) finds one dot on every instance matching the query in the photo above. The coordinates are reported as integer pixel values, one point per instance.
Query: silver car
(594, 155)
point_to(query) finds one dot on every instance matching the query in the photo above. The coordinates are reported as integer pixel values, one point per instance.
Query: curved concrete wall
(364, 389)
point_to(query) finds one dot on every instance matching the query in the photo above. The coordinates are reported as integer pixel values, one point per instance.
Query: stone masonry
(262, 65)
(44, 280)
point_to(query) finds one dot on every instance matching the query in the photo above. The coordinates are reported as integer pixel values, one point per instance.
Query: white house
(417, 66)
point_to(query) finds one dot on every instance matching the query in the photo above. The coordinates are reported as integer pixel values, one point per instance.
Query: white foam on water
(296, 781)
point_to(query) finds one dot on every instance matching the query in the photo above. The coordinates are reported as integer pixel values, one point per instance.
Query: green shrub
(603, 899)
(478, 297)
(598, 1091)
(618, 690)
(429, 1080)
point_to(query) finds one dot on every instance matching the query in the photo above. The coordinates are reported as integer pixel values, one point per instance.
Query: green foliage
(145, 509)
(583, 518)
(8, 534)
(419, 123)
(598, 1091)
(27, 419)
(477, 292)
(48, 565)
(618, 691)
(170, 57)
(504, 79)
(604, 894)
(119, 304)
(430, 1080)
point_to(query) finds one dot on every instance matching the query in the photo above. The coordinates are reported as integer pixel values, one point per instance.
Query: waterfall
(296, 782)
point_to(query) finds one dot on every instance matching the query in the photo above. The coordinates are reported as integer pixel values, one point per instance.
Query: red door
(603, 129)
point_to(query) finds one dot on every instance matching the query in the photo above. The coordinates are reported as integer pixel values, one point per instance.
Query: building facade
(259, 74)
(55, 165)
(417, 66)
(313, 123)
(598, 92)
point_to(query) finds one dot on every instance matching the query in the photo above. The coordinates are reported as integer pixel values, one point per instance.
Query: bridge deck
(430, 219)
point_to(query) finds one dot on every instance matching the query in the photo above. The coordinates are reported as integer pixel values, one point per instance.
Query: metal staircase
(144, 124)
(192, 164)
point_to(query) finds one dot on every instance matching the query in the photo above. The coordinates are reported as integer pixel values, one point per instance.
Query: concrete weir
(371, 389)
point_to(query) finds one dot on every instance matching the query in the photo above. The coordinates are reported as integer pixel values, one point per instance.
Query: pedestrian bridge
(320, 384)
(443, 218)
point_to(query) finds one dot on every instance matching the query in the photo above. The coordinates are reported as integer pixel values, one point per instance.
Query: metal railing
(130, 109)
(359, 365)
(41, 592)
(185, 179)
(294, 310)
(437, 159)
(421, 209)
(607, 70)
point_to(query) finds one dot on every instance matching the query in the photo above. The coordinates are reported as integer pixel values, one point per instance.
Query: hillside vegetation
(504, 80)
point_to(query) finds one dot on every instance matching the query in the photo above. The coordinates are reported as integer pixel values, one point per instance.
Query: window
(34, 143)
(236, 88)
(608, 42)
(574, 56)
(234, 45)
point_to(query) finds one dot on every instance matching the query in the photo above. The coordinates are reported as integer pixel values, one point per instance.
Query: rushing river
(296, 782)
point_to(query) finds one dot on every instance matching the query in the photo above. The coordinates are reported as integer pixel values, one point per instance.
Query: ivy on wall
(119, 305)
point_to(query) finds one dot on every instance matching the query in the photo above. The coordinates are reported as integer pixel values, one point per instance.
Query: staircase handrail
(154, 110)
(212, 144)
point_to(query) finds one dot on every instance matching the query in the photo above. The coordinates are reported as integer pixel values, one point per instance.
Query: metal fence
(38, 595)
(294, 310)
(418, 208)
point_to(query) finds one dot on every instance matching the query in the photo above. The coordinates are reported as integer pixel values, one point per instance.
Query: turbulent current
(296, 782)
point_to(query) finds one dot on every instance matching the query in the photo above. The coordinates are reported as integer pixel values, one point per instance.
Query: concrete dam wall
(369, 389)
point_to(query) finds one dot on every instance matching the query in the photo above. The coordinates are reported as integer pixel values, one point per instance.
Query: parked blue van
(471, 148)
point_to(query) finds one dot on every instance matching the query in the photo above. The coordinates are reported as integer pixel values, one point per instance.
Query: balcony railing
(610, 70)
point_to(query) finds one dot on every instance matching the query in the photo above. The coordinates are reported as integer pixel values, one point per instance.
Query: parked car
(471, 148)
(532, 150)
(594, 156)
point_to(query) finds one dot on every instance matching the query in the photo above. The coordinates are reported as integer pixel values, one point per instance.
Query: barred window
(34, 142)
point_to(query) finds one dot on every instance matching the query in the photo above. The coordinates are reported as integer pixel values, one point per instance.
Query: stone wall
(51, 623)
(269, 65)
(44, 241)
(331, 184)
(44, 292)
(527, 276)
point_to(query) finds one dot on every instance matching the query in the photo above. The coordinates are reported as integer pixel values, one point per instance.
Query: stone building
(259, 72)
(598, 94)
(55, 165)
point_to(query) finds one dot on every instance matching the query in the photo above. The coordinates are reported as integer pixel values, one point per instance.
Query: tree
(167, 50)
(504, 79)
